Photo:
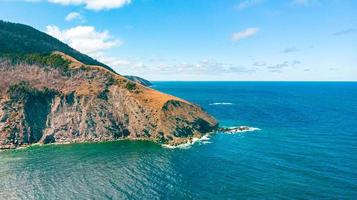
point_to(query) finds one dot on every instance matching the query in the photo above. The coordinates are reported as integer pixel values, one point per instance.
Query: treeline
(24, 91)
(43, 60)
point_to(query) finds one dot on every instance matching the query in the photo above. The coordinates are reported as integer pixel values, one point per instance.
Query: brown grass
(146, 96)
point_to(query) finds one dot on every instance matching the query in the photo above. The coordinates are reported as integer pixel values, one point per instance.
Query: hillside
(22, 39)
(139, 80)
(57, 98)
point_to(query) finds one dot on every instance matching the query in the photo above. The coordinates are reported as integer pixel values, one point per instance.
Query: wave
(221, 103)
(203, 140)
(239, 129)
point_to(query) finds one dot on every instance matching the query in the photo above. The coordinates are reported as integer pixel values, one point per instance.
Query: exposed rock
(81, 103)
(47, 96)
(239, 129)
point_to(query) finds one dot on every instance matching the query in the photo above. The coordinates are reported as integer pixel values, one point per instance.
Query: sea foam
(203, 140)
(221, 103)
(239, 129)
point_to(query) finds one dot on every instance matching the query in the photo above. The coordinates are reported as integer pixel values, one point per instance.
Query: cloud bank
(90, 4)
(84, 38)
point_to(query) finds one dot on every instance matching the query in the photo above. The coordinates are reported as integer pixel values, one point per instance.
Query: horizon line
(345, 81)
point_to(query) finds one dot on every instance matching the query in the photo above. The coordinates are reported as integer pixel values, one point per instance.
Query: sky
(204, 40)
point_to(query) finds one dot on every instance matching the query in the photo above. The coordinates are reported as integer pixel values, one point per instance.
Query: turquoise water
(306, 149)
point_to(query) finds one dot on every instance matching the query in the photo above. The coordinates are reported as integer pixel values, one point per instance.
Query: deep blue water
(306, 149)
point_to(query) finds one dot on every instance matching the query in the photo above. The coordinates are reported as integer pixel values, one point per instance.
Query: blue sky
(204, 39)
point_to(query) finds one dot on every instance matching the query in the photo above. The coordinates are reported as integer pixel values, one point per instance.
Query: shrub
(23, 91)
(44, 60)
(20, 91)
(104, 94)
(111, 80)
(130, 86)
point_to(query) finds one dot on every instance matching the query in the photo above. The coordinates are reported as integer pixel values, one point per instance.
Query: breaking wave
(221, 103)
(203, 140)
(239, 129)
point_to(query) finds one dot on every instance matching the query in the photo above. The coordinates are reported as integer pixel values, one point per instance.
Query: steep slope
(139, 80)
(22, 39)
(56, 98)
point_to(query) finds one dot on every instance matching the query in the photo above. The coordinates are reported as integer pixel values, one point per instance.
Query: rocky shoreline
(186, 144)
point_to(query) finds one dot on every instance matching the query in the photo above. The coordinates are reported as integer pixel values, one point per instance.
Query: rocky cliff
(57, 99)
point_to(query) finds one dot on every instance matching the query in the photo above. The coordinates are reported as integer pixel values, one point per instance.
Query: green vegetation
(37, 105)
(19, 39)
(160, 138)
(139, 80)
(44, 60)
(130, 86)
(111, 80)
(23, 91)
(104, 94)
(173, 103)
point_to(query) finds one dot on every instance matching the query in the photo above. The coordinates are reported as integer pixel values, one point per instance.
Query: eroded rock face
(88, 103)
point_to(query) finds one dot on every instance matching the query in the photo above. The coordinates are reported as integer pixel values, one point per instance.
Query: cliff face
(84, 103)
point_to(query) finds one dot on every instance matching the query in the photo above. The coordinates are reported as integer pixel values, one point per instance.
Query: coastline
(191, 141)
(70, 143)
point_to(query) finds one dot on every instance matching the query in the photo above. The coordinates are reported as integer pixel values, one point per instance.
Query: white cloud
(74, 16)
(88, 40)
(94, 4)
(284, 64)
(113, 62)
(247, 4)
(84, 38)
(244, 34)
(203, 67)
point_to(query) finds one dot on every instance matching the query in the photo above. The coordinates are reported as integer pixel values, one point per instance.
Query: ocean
(305, 148)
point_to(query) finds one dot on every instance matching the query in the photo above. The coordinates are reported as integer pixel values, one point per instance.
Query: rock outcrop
(75, 102)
